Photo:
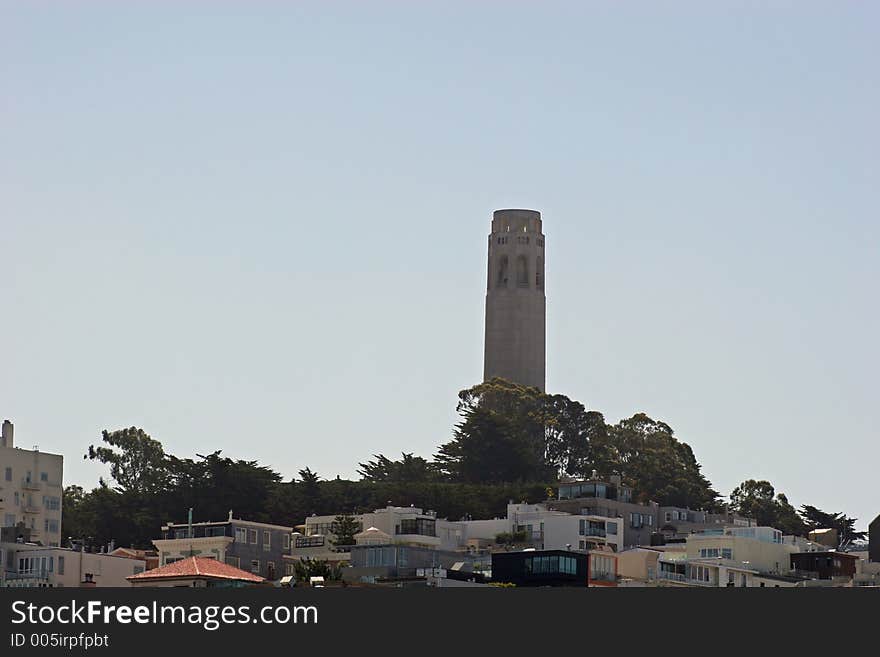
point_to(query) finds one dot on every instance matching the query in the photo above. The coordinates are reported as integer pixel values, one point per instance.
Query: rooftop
(196, 567)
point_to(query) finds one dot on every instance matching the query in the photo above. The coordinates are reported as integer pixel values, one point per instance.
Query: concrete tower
(515, 302)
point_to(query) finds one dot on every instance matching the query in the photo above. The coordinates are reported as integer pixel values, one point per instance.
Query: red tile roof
(196, 567)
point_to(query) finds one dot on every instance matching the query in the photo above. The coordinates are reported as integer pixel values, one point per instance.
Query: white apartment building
(30, 491)
(416, 527)
(404, 524)
(557, 530)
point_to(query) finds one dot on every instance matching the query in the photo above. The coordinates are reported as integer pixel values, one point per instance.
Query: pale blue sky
(261, 227)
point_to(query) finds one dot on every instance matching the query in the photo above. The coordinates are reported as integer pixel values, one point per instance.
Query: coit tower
(515, 301)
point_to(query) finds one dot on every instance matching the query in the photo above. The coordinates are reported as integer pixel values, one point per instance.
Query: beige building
(515, 300)
(30, 490)
(29, 565)
(638, 564)
(734, 556)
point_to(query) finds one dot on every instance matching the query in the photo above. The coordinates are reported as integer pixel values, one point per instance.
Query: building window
(8, 474)
(502, 272)
(380, 556)
(287, 541)
(44, 476)
(309, 541)
(252, 536)
(255, 566)
(726, 553)
(233, 561)
(420, 526)
(240, 535)
(522, 271)
(267, 540)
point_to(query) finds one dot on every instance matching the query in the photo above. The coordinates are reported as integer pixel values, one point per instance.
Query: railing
(672, 577)
(701, 582)
(30, 484)
(594, 531)
(30, 508)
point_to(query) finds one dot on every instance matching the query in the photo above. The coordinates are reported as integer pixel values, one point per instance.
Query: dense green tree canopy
(512, 443)
(408, 468)
(759, 500)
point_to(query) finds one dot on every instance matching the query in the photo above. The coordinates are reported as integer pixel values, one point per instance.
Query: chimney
(6, 436)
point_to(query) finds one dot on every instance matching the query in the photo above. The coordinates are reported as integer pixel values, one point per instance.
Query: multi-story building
(830, 565)
(733, 556)
(640, 524)
(676, 523)
(399, 564)
(542, 528)
(541, 568)
(30, 489)
(557, 530)
(610, 499)
(252, 546)
(30, 565)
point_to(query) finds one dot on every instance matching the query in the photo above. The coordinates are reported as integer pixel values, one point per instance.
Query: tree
(409, 469)
(501, 436)
(512, 538)
(310, 490)
(488, 448)
(137, 462)
(345, 527)
(306, 568)
(575, 439)
(660, 468)
(758, 500)
(845, 526)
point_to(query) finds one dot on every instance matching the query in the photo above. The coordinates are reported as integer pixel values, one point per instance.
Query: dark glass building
(541, 568)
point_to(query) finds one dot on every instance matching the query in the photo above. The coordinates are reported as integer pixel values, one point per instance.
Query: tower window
(539, 270)
(522, 271)
(502, 272)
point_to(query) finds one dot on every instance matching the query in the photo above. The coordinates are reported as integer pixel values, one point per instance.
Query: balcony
(31, 508)
(594, 531)
(30, 484)
(672, 577)
(37, 578)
